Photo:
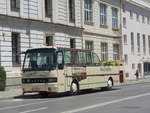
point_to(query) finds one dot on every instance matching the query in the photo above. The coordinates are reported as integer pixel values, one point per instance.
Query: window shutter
(49, 8)
(18, 4)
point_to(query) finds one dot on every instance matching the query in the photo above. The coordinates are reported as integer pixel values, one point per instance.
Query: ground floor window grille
(16, 58)
(72, 43)
(49, 41)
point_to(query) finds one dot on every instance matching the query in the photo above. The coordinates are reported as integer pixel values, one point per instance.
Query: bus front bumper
(41, 87)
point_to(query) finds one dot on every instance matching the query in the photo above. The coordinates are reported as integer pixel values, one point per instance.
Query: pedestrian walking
(137, 74)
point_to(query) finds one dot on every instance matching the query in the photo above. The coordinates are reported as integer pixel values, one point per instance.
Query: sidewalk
(17, 91)
(11, 92)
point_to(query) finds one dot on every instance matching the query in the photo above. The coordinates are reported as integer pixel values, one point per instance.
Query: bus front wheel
(109, 84)
(74, 89)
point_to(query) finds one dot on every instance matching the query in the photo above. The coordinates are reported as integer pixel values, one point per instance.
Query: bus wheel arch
(74, 88)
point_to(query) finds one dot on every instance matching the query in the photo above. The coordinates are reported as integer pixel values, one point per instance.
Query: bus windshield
(39, 60)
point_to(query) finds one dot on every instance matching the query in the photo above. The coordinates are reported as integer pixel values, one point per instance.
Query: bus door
(67, 69)
(60, 71)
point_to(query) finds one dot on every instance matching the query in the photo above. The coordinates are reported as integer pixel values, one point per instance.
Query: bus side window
(60, 60)
(88, 58)
(95, 59)
(67, 57)
(81, 58)
(74, 58)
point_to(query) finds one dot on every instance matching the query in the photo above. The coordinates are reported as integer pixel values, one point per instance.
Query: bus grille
(39, 80)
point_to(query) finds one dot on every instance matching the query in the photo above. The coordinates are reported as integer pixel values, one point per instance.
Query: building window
(146, 68)
(131, 14)
(115, 52)
(126, 59)
(49, 41)
(123, 7)
(137, 17)
(125, 39)
(15, 5)
(103, 14)
(48, 8)
(133, 66)
(124, 22)
(132, 42)
(149, 43)
(72, 43)
(144, 44)
(72, 11)
(88, 11)
(114, 18)
(143, 19)
(89, 45)
(104, 51)
(127, 75)
(16, 59)
(138, 43)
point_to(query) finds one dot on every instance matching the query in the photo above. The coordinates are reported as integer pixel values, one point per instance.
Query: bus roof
(60, 48)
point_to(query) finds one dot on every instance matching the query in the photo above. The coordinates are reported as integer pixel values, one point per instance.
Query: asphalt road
(123, 99)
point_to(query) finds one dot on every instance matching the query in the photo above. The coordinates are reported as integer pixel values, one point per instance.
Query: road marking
(33, 110)
(24, 105)
(105, 103)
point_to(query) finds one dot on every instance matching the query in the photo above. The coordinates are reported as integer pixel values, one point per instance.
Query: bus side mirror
(60, 60)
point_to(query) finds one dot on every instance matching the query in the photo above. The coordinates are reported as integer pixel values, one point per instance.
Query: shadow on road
(61, 95)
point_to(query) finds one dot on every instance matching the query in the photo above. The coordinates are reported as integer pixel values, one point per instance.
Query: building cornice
(103, 35)
(136, 3)
(41, 21)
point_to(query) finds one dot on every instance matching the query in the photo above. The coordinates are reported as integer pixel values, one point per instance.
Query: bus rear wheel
(74, 89)
(44, 94)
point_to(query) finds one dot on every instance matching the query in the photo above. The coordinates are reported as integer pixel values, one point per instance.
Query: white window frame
(89, 45)
(144, 44)
(114, 18)
(103, 14)
(104, 51)
(15, 5)
(138, 43)
(88, 11)
(132, 42)
(125, 39)
(116, 52)
(149, 43)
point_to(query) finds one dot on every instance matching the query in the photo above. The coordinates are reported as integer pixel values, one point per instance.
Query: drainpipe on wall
(29, 25)
(81, 8)
(121, 45)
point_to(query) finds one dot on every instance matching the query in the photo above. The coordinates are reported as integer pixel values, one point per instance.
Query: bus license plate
(35, 89)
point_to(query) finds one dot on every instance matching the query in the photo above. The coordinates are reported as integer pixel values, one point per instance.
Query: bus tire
(74, 89)
(44, 94)
(110, 84)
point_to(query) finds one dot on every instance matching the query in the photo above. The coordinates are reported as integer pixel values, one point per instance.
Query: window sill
(89, 23)
(103, 26)
(16, 65)
(15, 10)
(115, 29)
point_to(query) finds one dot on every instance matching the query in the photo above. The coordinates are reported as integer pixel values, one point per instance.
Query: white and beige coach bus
(55, 69)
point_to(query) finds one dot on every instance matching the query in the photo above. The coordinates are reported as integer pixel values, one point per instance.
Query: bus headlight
(50, 80)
